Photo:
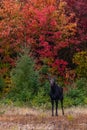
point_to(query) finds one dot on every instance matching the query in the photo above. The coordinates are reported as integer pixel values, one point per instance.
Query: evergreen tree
(25, 78)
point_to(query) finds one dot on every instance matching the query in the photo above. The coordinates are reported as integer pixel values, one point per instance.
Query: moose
(56, 94)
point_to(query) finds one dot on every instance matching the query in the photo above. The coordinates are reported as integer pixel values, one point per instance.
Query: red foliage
(79, 7)
(44, 26)
(10, 27)
(47, 30)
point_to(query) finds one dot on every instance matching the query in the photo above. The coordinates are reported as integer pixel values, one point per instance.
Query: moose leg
(56, 107)
(52, 101)
(62, 106)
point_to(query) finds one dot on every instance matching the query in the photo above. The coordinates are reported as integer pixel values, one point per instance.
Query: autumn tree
(48, 31)
(49, 28)
(10, 30)
(79, 7)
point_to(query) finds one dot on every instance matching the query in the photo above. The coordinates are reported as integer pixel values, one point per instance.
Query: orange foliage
(10, 25)
(40, 25)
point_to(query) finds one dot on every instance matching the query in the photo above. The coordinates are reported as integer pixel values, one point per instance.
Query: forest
(41, 38)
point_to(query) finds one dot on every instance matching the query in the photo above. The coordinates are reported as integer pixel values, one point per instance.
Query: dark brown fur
(56, 94)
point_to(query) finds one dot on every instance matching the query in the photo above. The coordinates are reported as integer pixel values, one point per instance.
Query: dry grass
(15, 118)
(26, 110)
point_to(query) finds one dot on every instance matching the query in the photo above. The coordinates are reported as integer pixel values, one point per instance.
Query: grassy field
(16, 118)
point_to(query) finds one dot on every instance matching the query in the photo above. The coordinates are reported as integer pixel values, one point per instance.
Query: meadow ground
(15, 118)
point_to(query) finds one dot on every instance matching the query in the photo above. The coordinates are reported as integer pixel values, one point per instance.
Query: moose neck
(53, 87)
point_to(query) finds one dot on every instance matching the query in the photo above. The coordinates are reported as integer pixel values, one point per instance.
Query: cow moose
(56, 94)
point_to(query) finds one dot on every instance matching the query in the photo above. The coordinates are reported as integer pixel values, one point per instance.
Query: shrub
(85, 100)
(77, 95)
(68, 102)
(80, 59)
(82, 84)
(42, 98)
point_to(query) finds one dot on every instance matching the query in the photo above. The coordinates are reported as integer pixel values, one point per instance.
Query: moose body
(56, 94)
